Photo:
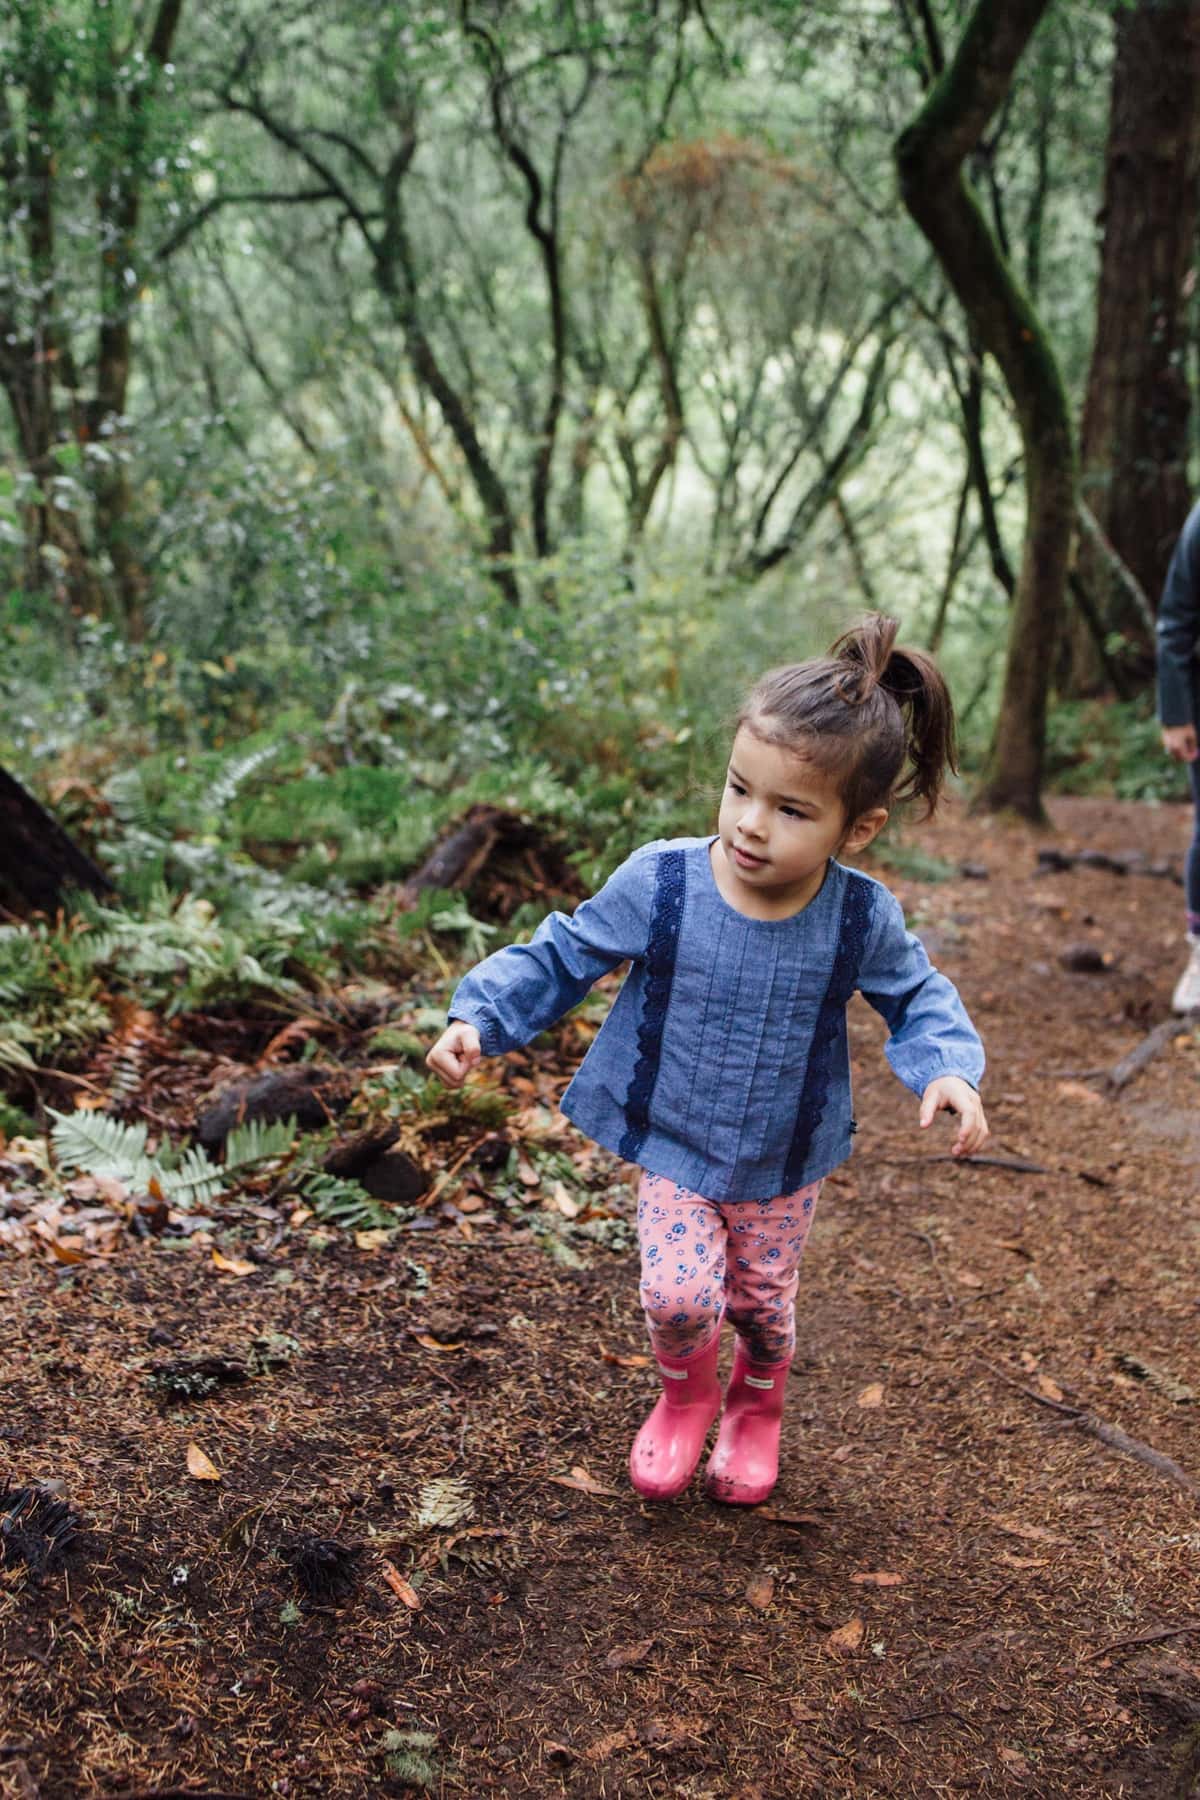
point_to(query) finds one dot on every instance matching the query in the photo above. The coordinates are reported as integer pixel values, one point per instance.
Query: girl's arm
(520, 990)
(930, 1033)
(1178, 628)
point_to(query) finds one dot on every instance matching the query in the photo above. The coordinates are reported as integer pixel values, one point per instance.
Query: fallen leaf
(624, 1362)
(628, 1656)
(556, 1752)
(431, 1343)
(872, 1395)
(1023, 1562)
(843, 1453)
(967, 1278)
(675, 1732)
(402, 1589)
(568, 1207)
(1028, 1361)
(1050, 1389)
(605, 1746)
(1014, 1759)
(65, 1253)
(798, 1521)
(1037, 1533)
(199, 1466)
(760, 1590)
(1015, 1245)
(583, 1483)
(470, 1203)
(373, 1239)
(802, 1713)
(232, 1265)
(299, 1215)
(877, 1578)
(1077, 1091)
(847, 1638)
(527, 1173)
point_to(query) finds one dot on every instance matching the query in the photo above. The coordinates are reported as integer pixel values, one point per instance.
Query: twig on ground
(1017, 1165)
(1112, 1435)
(1152, 1045)
(925, 1238)
(1144, 1637)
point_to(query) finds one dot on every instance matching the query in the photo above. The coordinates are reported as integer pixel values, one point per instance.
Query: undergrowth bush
(1111, 747)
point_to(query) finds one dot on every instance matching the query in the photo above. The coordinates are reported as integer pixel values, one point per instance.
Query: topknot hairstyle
(875, 716)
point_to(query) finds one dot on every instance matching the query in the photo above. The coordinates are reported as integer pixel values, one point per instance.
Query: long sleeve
(1179, 627)
(520, 990)
(930, 1031)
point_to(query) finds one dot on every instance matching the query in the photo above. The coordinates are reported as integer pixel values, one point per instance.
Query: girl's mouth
(744, 859)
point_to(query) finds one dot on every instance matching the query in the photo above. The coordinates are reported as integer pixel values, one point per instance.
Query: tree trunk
(930, 156)
(41, 865)
(1136, 416)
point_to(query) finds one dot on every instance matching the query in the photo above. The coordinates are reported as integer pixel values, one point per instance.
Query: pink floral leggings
(700, 1257)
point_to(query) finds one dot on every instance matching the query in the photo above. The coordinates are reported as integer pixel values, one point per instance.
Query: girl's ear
(868, 825)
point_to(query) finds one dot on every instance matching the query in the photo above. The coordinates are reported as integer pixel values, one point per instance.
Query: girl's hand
(1179, 742)
(950, 1093)
(455, 1054)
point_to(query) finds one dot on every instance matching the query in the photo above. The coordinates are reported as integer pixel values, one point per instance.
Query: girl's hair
(861, 714)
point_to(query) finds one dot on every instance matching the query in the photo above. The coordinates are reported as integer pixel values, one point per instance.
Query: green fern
(258, 1140)
(336, 1201)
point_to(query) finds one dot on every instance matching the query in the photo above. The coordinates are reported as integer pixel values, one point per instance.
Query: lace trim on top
(666, 914)
(857, 912)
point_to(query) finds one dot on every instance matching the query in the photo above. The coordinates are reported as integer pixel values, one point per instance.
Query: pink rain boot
(667, 1448)
(744, 1465)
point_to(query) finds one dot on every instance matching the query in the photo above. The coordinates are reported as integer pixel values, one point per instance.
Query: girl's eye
(734, 787)
(790, 812)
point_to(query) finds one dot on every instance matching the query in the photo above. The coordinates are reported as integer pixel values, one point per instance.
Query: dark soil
(294, 1629)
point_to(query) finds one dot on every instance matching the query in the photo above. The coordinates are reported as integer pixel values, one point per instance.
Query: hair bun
(866, 649)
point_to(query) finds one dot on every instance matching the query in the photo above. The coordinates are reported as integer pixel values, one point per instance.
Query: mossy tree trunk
(930, 156)
(1134, 447)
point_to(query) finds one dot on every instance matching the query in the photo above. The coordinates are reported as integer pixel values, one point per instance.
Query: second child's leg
(1187, 989)
(682, 1239)
(766, 1243)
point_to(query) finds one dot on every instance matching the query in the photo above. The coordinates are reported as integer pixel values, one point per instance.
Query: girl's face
(781, 820)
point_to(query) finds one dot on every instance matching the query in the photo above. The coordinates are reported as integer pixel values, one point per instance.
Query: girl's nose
(754, 819)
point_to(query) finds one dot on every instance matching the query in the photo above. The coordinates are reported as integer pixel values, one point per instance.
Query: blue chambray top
(724, 1062)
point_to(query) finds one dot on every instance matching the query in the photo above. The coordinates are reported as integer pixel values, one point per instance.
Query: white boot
(1186, 997)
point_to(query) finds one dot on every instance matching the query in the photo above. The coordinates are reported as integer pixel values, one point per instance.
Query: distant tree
(931, 156)
(1135, 438)
(86, 125)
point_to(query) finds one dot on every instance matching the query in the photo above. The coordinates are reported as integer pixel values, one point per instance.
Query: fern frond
(96, 1144)
(336, 1201)
(258, 1140)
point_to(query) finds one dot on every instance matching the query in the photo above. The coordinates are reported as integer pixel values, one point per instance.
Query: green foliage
(1115, 747)
(337, 1201)
(909, 859)
(96, 1144)
(51, 999)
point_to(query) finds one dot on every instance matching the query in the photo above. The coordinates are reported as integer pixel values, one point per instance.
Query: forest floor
(959, 1585)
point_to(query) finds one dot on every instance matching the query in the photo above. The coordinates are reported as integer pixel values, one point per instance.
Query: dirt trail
(1039, 1632)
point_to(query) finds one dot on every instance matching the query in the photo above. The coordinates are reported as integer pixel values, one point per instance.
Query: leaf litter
(943, 1479)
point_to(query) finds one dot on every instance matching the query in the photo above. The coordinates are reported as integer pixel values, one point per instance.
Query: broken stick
(1122, 1073)
(1112, 1435)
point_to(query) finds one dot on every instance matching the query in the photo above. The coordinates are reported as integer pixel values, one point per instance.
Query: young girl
(723, 1067)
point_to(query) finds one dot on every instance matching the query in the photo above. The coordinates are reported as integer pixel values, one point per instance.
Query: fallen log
(39, 864)
(455, 862)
